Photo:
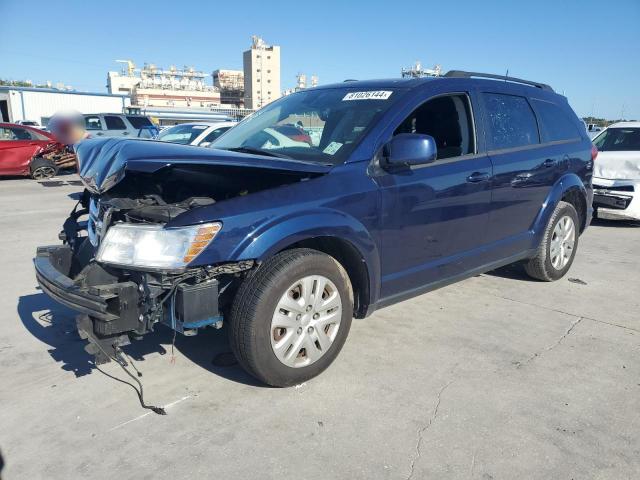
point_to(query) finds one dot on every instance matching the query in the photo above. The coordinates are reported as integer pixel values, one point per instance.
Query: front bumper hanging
(111, 309)
(114, 306)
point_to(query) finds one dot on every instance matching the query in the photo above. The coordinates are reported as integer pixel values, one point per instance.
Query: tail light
(594, 152)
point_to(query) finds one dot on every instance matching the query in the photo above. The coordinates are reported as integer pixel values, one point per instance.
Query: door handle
(549, 162)
(125, 133)
(99, 134)
(477, 177)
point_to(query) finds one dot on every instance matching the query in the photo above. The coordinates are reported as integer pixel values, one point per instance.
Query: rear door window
(618, 139)
(114, 123)
(21, 134)
(93, 122)
(555, 124)
(510, 122)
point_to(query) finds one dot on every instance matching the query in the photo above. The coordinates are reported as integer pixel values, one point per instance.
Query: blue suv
(325, 205)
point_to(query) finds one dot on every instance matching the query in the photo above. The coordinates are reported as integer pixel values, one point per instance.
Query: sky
(587, 50)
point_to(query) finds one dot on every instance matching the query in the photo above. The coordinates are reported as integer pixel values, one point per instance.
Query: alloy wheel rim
(562, 243)
(43, 172)
(306, 321)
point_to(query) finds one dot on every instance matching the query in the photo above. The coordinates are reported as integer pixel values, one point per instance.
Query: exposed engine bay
(120, 302)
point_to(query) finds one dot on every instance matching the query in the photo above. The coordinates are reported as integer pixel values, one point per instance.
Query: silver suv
(119, 125)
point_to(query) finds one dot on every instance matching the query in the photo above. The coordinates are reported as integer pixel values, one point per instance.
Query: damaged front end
(119, 264)
(119, 302)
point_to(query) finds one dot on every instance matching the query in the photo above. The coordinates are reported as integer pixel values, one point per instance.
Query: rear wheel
(291, 317)
(41, 168)
(558, 247)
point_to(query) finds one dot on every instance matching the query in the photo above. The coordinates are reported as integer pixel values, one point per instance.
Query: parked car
(196, 133)
(616, 175)
(21, 148)
(120, 125)
(29, 123)
(415, 184)
(593, 130)
(273, 138)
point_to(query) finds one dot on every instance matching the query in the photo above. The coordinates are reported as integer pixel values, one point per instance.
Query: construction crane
(131, 67)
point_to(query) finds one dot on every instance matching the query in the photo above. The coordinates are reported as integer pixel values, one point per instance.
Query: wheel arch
(568, 188)
(345, 253)
(333, 233)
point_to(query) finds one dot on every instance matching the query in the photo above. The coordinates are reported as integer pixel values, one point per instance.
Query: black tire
(41, 168)
(254, 305)
(540, 266)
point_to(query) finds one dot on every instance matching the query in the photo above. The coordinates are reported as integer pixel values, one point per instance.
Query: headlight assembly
(153, 246)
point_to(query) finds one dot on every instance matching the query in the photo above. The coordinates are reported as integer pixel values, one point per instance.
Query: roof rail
(463, 74)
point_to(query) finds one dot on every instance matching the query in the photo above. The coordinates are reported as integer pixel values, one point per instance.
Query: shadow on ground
(600, 222)
(55, 325)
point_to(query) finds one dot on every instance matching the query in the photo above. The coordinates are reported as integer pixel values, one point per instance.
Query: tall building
(261, 73)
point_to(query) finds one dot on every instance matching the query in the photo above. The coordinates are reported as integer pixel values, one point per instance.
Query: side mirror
(406, 149)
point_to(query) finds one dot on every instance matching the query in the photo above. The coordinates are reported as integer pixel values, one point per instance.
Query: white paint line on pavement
(168, 405)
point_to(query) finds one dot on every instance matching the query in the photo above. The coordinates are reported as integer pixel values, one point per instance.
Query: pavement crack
(582, 317)
(421, 431)
(554, 345)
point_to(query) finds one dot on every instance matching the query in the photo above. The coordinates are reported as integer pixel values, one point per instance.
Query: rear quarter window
(139, 122)
(114, 123)
(555, 123)
(511, 122)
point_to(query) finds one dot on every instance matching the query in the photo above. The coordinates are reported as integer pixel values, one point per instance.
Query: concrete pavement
(496, 377)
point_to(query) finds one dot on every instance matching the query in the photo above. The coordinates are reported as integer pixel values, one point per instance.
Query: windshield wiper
(257, 151)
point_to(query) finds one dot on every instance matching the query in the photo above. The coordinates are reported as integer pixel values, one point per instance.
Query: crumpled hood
(617, 165)
(105, 161)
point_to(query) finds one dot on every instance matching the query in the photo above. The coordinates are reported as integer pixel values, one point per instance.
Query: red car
(21, 148)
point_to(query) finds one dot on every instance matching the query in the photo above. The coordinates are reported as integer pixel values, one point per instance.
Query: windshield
(618, 139)
(183, 134)
(322, 125)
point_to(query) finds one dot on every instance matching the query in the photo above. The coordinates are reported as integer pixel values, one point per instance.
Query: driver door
(435, 215)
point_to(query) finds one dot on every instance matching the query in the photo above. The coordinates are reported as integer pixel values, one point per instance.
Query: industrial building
(40, 104)
(230, 83)
(151, 86)
(301, 83)
(168, 96)
(261, 74)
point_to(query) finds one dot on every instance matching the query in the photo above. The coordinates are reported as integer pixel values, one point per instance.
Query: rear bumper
(114, 306)
(617, 199)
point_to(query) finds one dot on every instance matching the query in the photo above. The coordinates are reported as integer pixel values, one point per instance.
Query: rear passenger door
(115, 126)
(523, 169)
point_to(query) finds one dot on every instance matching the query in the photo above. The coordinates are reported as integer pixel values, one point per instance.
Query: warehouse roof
(5, 88)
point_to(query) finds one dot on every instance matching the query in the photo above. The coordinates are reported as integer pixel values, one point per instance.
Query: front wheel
(291, 317)
(558, 247)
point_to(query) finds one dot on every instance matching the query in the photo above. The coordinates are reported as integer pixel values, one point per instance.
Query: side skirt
(385, 302)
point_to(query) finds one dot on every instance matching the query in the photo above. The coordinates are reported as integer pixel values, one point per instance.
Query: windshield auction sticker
(372, 95)
(332, 148)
